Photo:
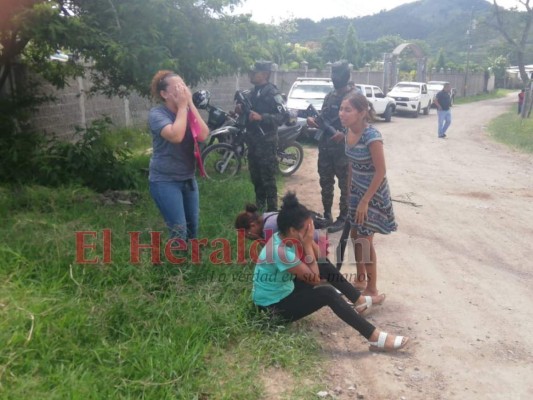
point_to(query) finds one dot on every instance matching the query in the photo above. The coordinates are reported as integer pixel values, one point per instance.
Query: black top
(444, 99)
(267, 101)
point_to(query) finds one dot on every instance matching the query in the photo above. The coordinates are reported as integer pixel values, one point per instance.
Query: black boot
(328, 217)
(337, 225)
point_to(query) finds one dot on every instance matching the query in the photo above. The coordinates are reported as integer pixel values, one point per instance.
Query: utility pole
(471, 27)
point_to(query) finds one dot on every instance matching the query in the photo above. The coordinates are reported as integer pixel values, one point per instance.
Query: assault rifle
(324, 126)
(246, 107)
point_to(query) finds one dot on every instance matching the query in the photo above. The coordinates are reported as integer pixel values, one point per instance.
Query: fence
(74, 107)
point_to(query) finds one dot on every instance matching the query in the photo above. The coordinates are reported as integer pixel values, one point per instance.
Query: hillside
(440, 23)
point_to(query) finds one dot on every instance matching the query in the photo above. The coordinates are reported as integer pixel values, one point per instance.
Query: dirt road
(458, 272)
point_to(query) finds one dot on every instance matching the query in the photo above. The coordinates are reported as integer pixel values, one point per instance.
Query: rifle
(324, 126)
(246, 107)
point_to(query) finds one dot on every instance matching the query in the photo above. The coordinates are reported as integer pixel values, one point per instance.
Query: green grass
(122, 330)
(513, 131)
(496, 94)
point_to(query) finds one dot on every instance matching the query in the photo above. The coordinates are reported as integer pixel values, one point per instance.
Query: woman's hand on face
(361, 212)
(309, 233)
(180, 94)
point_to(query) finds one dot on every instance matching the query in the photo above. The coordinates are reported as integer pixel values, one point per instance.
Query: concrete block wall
(74, 107)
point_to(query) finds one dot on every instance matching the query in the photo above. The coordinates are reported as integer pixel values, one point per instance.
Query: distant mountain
(440, 23)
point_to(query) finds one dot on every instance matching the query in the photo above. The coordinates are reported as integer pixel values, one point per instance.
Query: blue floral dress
(380, 212)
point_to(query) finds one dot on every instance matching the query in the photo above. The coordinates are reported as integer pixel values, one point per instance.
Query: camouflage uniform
(262, 145)
(332, 160)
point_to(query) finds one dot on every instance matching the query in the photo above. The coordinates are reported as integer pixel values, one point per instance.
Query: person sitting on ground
(290, 288)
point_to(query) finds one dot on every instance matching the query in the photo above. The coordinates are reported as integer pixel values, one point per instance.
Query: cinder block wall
(74, 107)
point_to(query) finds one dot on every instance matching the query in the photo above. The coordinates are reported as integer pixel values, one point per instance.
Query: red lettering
(154, 245)
(225, 251)
(107, 246)
(81, 246)
(241, 246)
(195, 249)
(255, 248)
(182, 246)
(298, 250)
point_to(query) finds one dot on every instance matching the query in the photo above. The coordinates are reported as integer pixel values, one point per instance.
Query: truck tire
(426, 110)
(417, 112)
(387, 115)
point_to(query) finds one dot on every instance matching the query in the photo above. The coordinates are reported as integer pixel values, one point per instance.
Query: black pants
(306, 299)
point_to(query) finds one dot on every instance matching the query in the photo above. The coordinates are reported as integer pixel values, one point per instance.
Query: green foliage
(89, 161)
(440, 24)
(331, 47)
(125, 43)
(122, 330)
(441, 60)
(513, 130)
(96, 158)
(352, 50)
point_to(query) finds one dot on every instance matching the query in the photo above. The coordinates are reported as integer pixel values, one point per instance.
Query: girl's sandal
(399, 343)
(367, 305)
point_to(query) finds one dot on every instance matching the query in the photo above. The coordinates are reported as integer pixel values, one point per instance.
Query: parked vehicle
(384, 106)
(306, 91)
(435, 87)
(411, 97)
(226, 148)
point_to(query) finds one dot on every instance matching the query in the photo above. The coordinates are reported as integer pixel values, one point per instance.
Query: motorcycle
(226, 148)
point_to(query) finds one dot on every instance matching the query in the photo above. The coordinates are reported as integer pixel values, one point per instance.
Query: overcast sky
(268, 11)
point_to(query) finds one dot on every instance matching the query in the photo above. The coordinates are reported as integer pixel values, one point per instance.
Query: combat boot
(328, 217)
(337, 225)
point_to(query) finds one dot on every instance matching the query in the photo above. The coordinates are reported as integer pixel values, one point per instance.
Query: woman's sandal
(399, 343)
(367, 305)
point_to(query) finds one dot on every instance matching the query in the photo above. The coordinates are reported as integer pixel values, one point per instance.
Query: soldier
(267, 113)
(332, 160)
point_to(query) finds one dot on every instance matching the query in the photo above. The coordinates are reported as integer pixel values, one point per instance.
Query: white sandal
(367, 305)
(399, 343)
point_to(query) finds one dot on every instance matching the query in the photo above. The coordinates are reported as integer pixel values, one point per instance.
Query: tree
(385, 44)
(518, 41)
(498, 65)
(124, 43)
(331, 47)
(352, 48)
(441, 61)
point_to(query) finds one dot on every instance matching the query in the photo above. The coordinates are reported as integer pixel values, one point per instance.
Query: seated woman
(257, 226)
(292, 289)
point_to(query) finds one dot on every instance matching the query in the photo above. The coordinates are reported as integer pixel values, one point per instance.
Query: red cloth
(195, 129)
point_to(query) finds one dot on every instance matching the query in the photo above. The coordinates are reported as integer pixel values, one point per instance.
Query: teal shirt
(272, 282)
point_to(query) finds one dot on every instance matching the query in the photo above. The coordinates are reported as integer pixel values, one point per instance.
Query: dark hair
(159, 82)
(246, 217)
(359, 101)
(292, 214)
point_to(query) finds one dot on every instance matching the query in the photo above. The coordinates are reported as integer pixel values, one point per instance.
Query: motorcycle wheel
(220, 162)
(290, 158)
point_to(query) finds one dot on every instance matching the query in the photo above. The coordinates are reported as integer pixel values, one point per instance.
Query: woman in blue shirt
(292, 289)
(172, 165)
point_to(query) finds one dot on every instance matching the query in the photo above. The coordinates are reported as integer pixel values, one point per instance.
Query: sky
(274, 11)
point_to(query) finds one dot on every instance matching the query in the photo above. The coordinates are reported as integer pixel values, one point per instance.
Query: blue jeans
(179, 203)
(445, 119)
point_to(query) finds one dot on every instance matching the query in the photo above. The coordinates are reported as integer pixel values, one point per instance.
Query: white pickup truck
(384, 106)
(411, 97)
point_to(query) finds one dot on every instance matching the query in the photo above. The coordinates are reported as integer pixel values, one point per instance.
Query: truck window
(378, 93)
(368, 92)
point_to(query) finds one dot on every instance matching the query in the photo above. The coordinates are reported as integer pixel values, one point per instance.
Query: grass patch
(496, 94)
(513, 131)
(123, 330)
